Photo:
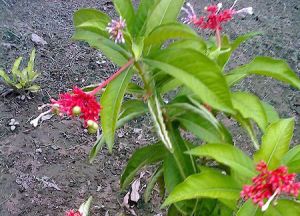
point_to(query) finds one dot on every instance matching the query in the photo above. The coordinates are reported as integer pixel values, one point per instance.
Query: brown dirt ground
(58, 149)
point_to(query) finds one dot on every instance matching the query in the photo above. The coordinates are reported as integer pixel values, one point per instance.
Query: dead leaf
(38, 40)
(133, 195)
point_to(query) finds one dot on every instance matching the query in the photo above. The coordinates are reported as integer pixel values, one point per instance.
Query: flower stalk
(111, 78)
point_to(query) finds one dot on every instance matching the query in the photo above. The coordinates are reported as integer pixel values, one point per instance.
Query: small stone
(12, 128)
(39, 150)
(12, 122)
(55, 147)
(23, 97)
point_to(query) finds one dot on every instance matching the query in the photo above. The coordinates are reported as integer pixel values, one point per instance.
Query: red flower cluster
(73, 213)
(270, 184)
(215, 17)
(78, 103)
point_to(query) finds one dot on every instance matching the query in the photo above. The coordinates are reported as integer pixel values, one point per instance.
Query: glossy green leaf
(284, 208)
(198, 73)
(144, 156)
(197, 44)
(173, 177)
(272, 115)
(169, 85)
(165, 11)
(91, 20)
(143, 13)
(168, 31)
(266, 66)
(292, 159)
(208, 184)
(200, 122)
(154, 178)
(96, 148)
(242, 38)
(173, 211)
(275, 142)
(250, 107)
(131, 109)
(111, 102)
(157, 116)
(126, 10)
(228, 155)
(113, 51)
(249, 209)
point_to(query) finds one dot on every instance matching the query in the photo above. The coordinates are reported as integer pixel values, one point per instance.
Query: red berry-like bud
(76, 111)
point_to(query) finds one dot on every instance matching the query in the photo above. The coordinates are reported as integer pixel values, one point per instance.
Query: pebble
(39, 150)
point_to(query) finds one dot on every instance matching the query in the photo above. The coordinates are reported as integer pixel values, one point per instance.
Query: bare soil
(44, 170)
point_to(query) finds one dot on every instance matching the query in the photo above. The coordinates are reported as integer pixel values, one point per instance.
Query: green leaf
(168, 31)
(91, 20)
(229, 155)
(126, 10)
(96, 148)
(284, 208)
(271, 113)
(5, 77)
(131, 109)
(113, 51)
(198, 73)
(249, 209)
(208, 184)
(173, 177)
(247, 125)
(144, 156)
(169, 85)
(154, 178)
(197, 44)
(143, 13)
(165, 11)
(30, 66)
(266, 66)
(250, 107)
(111, 102)
(84, 209)
(275, 142)
(240, 39)
(172, 211)
(292, 159)
(157, 116)
(33, 88)
(16, 73)
(200, 122)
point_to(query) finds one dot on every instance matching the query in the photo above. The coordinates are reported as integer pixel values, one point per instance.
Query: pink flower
(78, 103)
(270, 184)
(215, 16)
(73, 213)
(115, 29)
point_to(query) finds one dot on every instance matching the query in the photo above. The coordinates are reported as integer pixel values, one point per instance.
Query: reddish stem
(112, 77)
(218, 38)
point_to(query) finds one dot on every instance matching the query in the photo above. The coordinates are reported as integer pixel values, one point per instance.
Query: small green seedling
(21, 80)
